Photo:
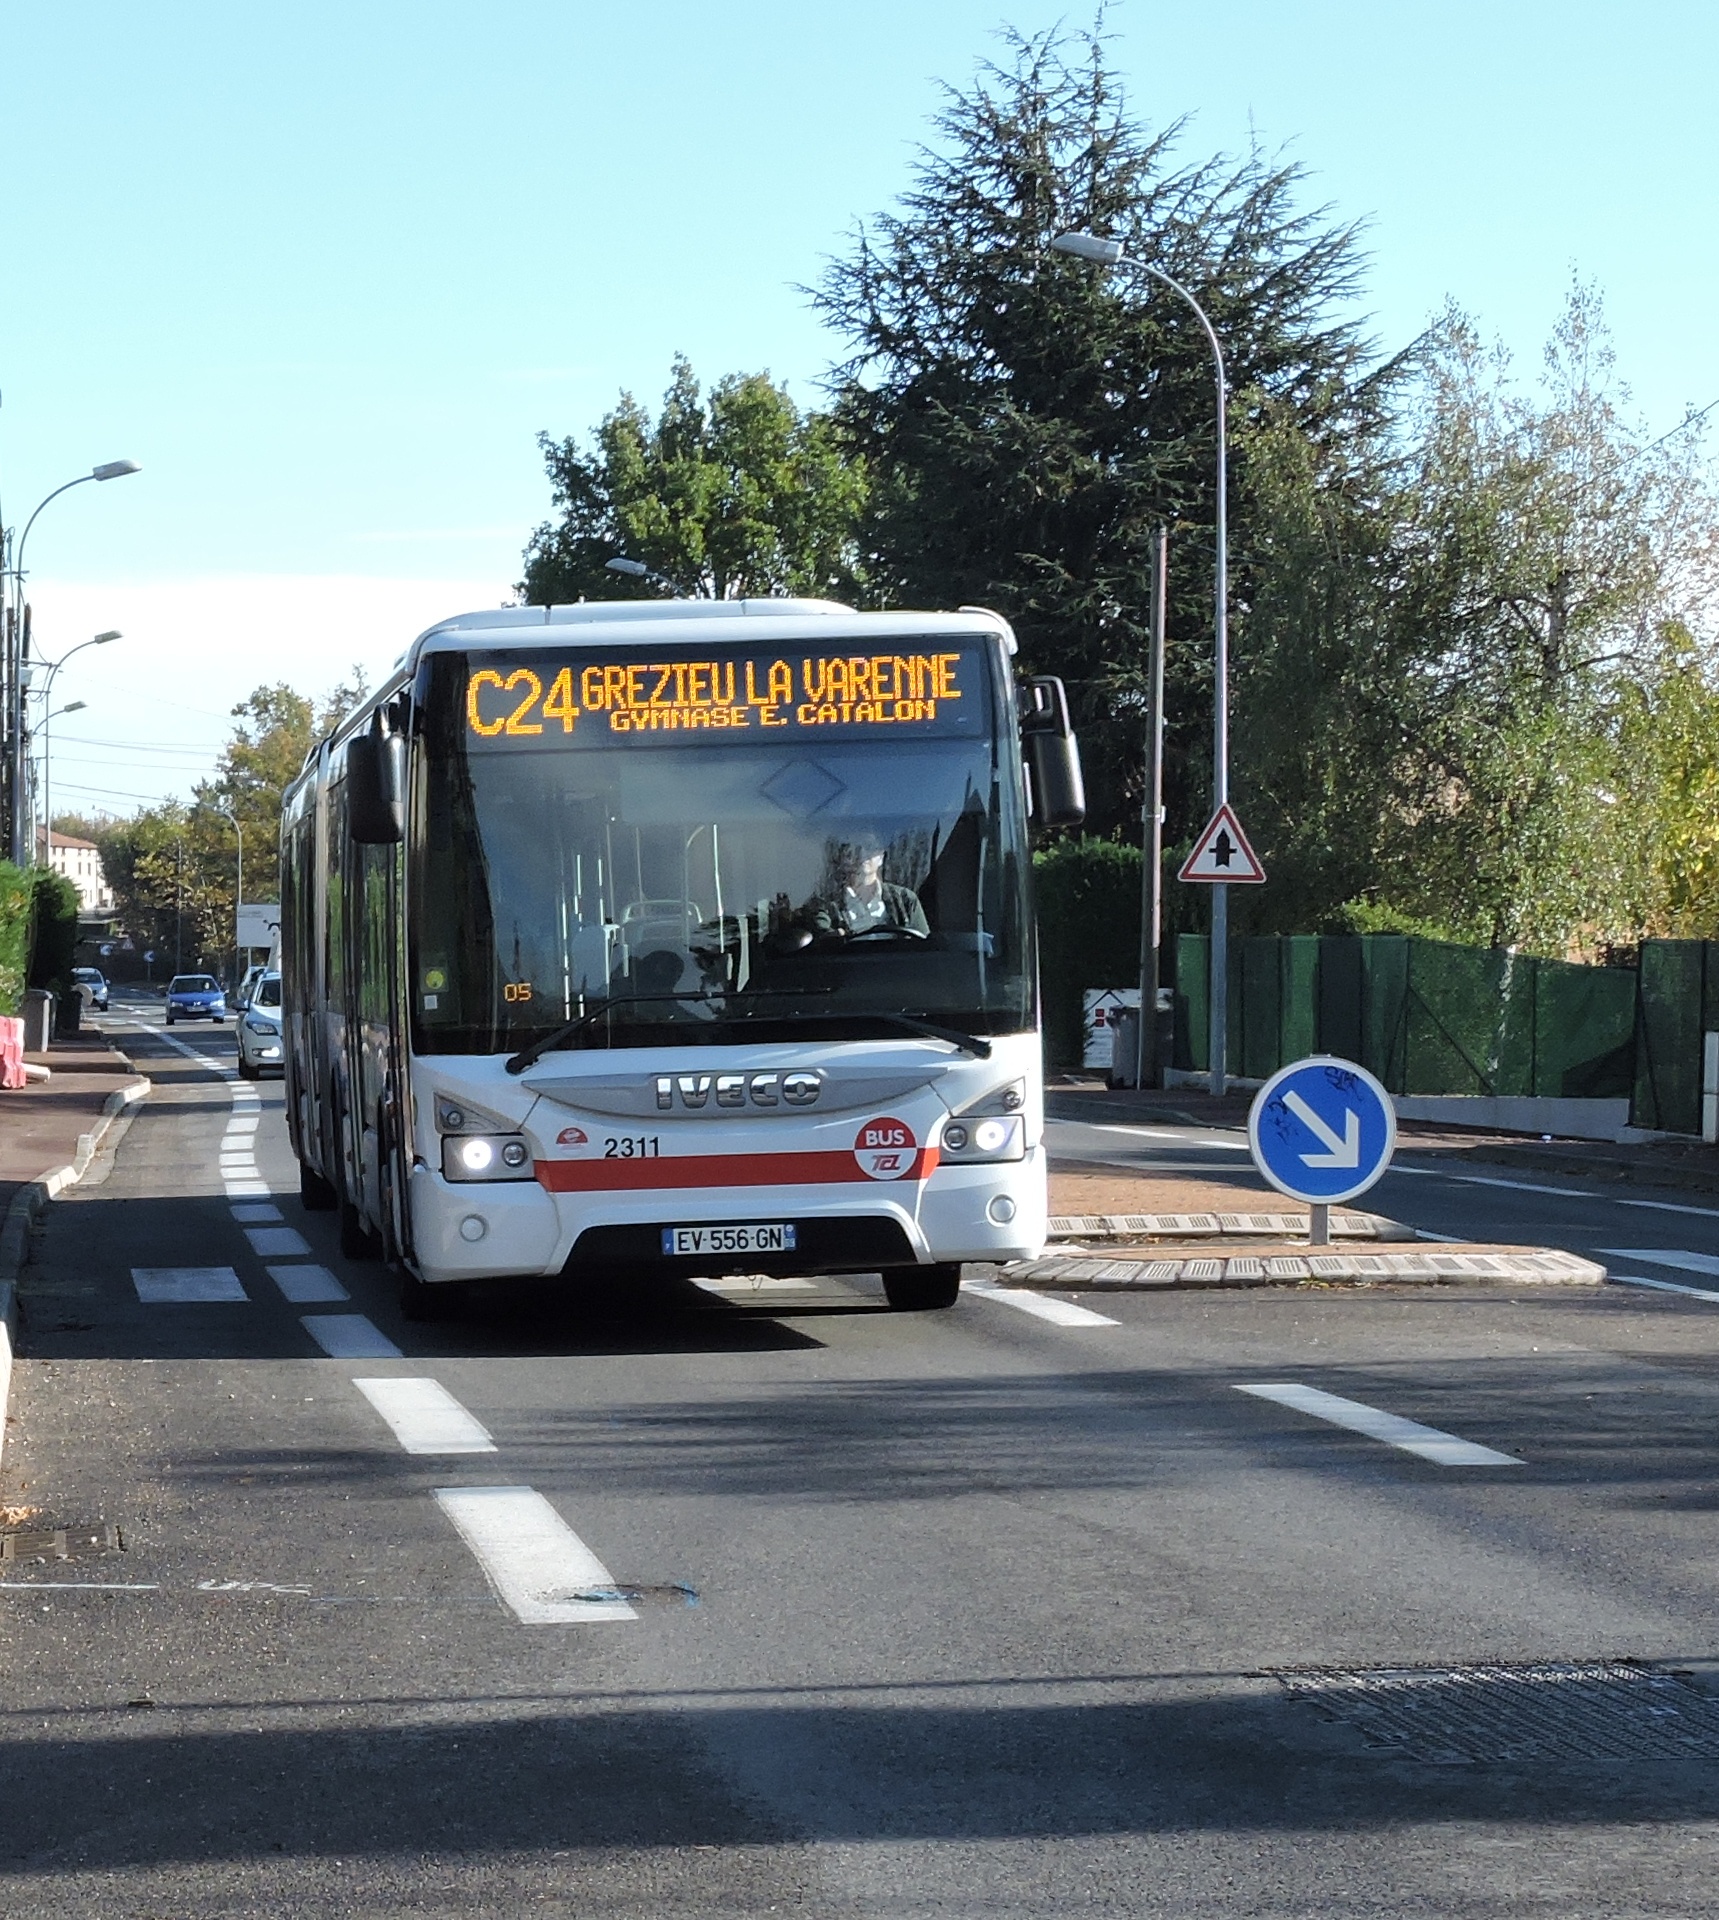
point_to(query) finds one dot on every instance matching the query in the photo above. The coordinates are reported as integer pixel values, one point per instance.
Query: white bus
(677, 937)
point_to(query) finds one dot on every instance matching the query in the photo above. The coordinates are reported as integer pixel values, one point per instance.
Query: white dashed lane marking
(1666, 1286)
(307, 1285)
(253, 1213)
(1443, 1449)
(180, 1286)
(277, 1242)
(1675, 1257)
(349, 1336)
(1060, 1313)
(536, 1563)
(425, 1417)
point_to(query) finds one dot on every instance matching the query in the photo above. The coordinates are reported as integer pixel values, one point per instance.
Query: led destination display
(548, 699)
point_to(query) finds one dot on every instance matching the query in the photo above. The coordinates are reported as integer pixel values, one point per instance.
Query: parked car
(260, 1048)
(247, 987)
(91, 982)
(195, 996)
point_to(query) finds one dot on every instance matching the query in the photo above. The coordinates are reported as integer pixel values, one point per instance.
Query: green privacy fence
(1678, 1002)
(1428, 1017)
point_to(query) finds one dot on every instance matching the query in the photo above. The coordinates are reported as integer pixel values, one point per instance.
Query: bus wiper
(908, 1023)
(528, 1056)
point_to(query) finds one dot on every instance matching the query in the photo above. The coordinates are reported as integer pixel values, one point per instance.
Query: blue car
(195, 996)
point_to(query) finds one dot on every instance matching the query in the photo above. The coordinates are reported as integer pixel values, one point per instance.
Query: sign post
(1322, 1130)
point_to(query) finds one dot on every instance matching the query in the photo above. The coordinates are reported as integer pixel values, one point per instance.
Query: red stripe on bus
(718, 1170)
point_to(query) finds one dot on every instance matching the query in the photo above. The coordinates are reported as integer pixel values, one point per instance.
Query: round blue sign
(1322, 1130)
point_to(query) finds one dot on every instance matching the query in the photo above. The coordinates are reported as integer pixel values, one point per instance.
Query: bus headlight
(996, 1137)
(486, 1156)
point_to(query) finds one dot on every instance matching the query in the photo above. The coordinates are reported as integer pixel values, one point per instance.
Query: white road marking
(349, 1336)
(1665, 1286)
(426, 1418)
(236, 1125)
(307, 1286)
(275, 1241)
(1443, 1449)
(1563, 1193)
(177, 1286)
(248, 1190)
(535, 1562)
(1678, 1257)
(1170, 1135)
(1061, 1313)
(254, 1213)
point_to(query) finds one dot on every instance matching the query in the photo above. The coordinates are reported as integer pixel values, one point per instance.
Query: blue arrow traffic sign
(1322, 1130)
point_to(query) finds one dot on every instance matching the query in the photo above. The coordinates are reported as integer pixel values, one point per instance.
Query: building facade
(80, 862)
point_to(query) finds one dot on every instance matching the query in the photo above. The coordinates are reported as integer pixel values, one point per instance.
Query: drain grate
(1576, 1710)
(35, 1545)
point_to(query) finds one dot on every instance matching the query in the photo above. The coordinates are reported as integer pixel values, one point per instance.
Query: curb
(1226, 1226)
(27, 1203)
(1536, 1266)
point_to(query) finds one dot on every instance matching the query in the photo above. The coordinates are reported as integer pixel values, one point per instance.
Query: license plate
(775, 1237)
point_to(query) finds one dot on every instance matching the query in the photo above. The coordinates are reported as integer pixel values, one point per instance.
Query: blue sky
(326, 270)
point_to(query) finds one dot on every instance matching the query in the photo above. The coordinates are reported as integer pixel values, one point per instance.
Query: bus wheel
(315, 1194)
(356, 1241)
(420, 1301)
(920, 1289)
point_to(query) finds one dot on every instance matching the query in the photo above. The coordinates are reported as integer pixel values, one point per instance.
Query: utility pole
(1152, 843)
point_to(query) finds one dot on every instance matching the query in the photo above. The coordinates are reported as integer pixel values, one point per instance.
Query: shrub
(54, 931)
(17, 896)
(1088, 898)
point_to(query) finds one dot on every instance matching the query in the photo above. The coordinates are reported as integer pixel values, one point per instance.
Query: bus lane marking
(537, 1565)
(307, 1285)
(182, 1286)
(425, 1417)
(1430, 1443)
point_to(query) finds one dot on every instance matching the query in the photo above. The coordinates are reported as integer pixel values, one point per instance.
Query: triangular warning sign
(1222, 853)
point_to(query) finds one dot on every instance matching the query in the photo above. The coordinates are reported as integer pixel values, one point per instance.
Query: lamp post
(1110, 253)
(17, 648)
(239, 893)
(71, 706)
(54, 666)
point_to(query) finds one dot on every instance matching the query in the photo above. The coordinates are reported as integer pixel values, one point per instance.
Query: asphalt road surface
(741, 1603)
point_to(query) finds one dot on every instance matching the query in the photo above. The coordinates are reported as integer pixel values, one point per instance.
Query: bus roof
(603, 623)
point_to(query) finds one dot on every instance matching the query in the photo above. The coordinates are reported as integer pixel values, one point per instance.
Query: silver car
(260, 1048)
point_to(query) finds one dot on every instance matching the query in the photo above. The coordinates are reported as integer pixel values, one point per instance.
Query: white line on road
(426, 1418)
(273, 1242)
(536, 1563)
(1665, 1286)
(254, 1214)
(1678, 1257)
(349, 1336)
(248, 1189)
(307, 1286)
(1562, 1193)
(1061, 1313)
(1443, 1449)
(1170, 1136)
(180, 1286)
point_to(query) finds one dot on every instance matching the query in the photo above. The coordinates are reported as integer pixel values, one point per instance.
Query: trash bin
(68, 1015)
(38, 1012)
(1126, 1050)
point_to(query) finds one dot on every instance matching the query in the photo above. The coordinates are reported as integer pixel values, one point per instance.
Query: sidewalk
(40, 1124)
(1682, 1162)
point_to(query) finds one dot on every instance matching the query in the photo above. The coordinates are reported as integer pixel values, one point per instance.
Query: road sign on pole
(1322, 1130)
(1221, 855)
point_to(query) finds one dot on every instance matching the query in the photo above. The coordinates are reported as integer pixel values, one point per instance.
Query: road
(859, 1613)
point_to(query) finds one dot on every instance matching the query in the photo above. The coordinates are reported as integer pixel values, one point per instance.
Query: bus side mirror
(1052, 755)
(376, 788)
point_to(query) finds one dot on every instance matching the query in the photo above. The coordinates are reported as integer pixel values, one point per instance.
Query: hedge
(1088, 901)
(17, 900)
(54, 945)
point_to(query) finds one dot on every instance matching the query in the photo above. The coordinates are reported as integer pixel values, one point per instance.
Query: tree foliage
(735, 494)
(1029, 421)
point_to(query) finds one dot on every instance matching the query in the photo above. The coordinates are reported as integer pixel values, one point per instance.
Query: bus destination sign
(552, 700)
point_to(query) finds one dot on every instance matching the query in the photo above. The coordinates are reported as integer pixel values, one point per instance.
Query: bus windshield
(716, 848)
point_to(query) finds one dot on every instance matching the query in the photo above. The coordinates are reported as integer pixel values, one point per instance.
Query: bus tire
(314, 1193)
(922, 1289)
(357, 1242)
(419, 1301)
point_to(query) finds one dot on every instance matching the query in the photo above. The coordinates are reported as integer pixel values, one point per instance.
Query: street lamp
(239, 891)
(71, 706)
(1110, 253)
(17, 646)
(54, 666)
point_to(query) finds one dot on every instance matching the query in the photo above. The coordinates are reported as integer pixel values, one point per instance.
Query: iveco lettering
(677, 937)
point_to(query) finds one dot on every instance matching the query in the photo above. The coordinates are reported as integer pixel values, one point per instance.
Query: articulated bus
(677, 937)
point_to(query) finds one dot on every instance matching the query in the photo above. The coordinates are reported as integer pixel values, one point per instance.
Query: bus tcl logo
(885, 1149)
